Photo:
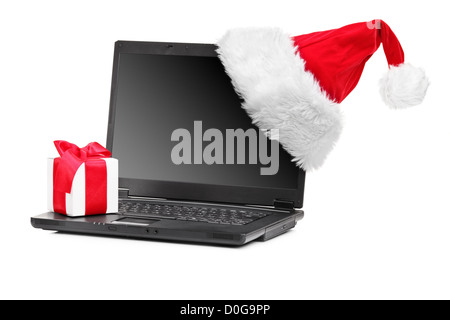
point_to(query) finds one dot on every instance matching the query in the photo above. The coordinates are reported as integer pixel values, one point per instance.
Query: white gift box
(75, 201)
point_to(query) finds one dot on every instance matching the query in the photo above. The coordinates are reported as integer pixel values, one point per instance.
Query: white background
(377, 221)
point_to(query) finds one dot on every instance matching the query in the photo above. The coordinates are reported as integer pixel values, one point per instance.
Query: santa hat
(295, 84)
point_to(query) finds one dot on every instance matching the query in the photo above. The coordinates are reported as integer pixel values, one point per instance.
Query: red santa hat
(295, 84)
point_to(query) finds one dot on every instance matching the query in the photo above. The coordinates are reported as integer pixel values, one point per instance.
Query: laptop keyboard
(208, 214)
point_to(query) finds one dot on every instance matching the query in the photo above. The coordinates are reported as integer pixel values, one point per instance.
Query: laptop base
(168, 230)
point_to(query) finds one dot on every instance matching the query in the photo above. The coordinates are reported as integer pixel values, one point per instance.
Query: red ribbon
(65, 168)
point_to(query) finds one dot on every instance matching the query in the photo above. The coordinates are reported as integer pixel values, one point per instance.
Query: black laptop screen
(178, 119)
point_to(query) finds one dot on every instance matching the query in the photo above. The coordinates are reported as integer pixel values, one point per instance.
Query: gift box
(82, 181)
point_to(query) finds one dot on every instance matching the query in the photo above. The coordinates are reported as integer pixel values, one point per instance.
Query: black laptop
(192, 166)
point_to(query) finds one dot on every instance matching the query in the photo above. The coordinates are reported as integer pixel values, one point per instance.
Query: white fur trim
(280, 94)
(404, 86)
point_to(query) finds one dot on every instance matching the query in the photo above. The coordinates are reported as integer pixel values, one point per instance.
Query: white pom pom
(404, 86)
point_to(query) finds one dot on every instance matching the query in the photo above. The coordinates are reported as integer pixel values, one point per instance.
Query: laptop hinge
(124, 193)
(283, 204)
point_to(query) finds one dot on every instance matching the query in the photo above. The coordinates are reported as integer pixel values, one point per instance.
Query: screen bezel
(182, 190)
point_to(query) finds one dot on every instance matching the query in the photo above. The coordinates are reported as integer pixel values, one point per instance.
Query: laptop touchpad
(135, 221)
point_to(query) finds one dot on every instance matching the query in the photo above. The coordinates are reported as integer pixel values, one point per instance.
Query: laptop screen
(178, 119)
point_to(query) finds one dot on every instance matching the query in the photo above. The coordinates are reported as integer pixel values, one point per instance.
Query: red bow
(65, 168)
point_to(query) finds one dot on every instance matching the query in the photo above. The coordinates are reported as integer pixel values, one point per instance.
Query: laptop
(192, 166)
